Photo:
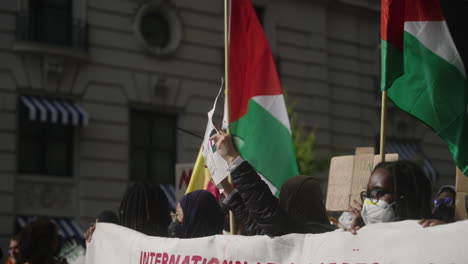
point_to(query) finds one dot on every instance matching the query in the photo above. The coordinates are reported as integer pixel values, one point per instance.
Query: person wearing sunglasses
(396, 191)
(444, 204)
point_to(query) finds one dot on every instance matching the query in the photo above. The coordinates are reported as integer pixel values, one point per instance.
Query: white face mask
(379, 212)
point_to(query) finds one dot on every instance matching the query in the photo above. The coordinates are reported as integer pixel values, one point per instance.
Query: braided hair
(412, 189)
(38, 242)
(144, 208)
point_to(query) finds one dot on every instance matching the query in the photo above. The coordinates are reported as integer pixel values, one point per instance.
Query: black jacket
(259, 211)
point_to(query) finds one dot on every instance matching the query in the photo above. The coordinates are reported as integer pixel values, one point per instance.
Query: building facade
(96, 93)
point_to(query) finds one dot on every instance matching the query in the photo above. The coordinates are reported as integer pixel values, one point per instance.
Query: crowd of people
(396, 191)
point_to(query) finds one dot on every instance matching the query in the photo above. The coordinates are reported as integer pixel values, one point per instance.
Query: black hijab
(302, 200)
(202, 215)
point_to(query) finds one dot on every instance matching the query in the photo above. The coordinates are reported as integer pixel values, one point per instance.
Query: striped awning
(411, 151)
(55, 111)
(169, 190)
(67, 228)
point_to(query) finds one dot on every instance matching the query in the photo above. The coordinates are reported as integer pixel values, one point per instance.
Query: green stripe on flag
(434, 91)
(392, 64)
(262, 135)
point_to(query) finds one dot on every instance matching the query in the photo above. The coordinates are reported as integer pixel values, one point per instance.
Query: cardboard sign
(339, 183)
(363, 164)
(461, 182)
(461, 206)
(397, 243)
(182, 179)
(349, 175)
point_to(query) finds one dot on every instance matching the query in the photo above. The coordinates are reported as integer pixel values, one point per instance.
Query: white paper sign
(397, 243)
(216, 165)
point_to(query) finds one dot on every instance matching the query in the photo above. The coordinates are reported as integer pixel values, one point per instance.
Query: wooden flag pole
(383, 122)
(232, 224)
(226, 62)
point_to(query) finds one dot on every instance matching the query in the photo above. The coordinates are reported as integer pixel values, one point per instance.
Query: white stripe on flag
(275, 105)
(435, 36)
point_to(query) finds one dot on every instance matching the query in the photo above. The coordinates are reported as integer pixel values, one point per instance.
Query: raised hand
(224, 146)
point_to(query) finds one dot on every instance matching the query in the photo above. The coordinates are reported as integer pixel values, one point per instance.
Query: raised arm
(262, 206)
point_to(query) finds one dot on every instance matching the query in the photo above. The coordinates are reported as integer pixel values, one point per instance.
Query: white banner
(401, 242)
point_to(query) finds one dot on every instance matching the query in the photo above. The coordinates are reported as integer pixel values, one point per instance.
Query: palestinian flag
(424, 66)
(258, 115)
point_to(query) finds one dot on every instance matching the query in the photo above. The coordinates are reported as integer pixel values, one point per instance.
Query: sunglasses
(445, 201)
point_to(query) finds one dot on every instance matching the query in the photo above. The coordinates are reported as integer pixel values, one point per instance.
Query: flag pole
(383, 122)
(232, 225)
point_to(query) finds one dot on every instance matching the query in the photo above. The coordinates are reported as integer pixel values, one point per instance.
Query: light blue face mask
(380, 212)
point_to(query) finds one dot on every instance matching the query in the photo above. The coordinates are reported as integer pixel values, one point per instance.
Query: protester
(300, 208)
(144, 208)
(107, 216)
(444, 204)
(197, 215)
(396, 191)
(13, 251)
(38, 243)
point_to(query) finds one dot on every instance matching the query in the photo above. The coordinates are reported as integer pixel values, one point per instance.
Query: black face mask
(175, 229)
(444, 213)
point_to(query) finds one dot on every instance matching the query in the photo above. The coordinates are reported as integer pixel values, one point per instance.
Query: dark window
(155, 29)
(44, 148)
(153, 147)
(51, 21)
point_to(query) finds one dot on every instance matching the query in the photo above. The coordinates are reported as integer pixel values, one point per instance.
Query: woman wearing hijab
(197, 215)
(300, 208)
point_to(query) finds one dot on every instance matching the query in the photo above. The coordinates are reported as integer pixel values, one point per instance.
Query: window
(153, 147)
(158, 27)
(155, 29)
(51, 21)
(44, 148)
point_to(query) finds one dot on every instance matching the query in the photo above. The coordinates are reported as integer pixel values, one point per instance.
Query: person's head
(397, 190)
(38, 242)
(107, 216)
(14, 247)
(144, 208)
(444, 204)
(301, 199)
(199, 215)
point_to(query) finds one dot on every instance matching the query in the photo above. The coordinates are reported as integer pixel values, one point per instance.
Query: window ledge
(36, 47)
(45, 178)
(368, 4)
